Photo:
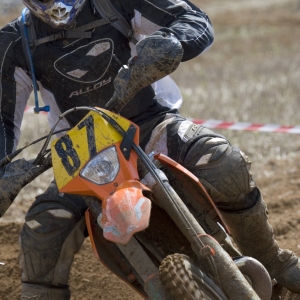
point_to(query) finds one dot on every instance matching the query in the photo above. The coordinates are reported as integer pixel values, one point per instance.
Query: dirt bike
(138, 224)
(150, 221)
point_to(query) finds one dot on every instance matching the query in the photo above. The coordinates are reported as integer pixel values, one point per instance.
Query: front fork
(145, 270)
(208, 250)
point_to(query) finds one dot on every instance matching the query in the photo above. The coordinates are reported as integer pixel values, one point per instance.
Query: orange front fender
(125, 212)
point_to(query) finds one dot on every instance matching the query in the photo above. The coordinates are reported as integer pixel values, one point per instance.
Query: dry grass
(251, 73)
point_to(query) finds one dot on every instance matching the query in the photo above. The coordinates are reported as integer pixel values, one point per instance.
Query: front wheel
(185, 281)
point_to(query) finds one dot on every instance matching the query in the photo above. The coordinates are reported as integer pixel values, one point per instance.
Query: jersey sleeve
(191, 26)
(15, 88)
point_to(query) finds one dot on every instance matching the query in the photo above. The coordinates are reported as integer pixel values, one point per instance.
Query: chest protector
(29, 41)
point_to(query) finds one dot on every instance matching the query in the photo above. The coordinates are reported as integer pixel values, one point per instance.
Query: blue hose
(37, 109)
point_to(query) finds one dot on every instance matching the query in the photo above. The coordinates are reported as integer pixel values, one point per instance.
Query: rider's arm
(15, 88)
(189, 24)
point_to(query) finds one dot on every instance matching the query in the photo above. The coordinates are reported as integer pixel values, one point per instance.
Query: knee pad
(223, 169)
(53, 232)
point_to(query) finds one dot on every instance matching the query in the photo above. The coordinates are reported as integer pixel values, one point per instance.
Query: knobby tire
(185, 281)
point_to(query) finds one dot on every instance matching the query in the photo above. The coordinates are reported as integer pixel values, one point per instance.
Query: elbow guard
(157, 56)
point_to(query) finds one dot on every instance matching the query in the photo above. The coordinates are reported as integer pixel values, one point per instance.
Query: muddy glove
(14, 176)
(157, 56)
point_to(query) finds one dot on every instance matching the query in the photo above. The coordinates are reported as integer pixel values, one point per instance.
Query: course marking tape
(216, 124)
(247, 126)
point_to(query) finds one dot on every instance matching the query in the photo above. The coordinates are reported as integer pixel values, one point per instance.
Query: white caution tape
(215, 124)
(247, 126)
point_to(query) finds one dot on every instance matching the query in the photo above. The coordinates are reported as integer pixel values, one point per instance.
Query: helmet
(56, 13)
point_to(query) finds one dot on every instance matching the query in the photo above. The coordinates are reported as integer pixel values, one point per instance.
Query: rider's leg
(254, 236)
(53, 232)
(225, 172)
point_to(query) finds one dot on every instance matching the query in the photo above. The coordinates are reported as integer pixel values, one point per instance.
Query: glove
(158, 55)
(14, 176)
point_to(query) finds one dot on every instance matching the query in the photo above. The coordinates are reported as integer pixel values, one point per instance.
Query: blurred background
(9, 8)
(250, 74)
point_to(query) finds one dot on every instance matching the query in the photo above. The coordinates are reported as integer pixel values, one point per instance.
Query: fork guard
(260, 279)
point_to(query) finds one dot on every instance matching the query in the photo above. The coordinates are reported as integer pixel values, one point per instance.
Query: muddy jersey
(76, 72)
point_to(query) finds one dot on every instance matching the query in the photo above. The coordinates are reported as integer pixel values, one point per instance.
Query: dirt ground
(251, 74)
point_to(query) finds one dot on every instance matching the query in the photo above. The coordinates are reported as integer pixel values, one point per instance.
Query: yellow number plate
(72, 151)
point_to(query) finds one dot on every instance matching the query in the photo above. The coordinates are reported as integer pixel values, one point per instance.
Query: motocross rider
(79, 70)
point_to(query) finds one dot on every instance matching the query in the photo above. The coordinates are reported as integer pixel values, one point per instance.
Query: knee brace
(53, 232)
(223, 169)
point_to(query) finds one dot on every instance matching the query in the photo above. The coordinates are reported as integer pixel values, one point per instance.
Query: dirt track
(250, 74)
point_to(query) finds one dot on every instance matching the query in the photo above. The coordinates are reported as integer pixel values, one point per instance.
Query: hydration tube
(37, 109)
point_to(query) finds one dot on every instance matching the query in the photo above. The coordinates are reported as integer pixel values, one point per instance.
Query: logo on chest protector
(86, 64)
(91, 88)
